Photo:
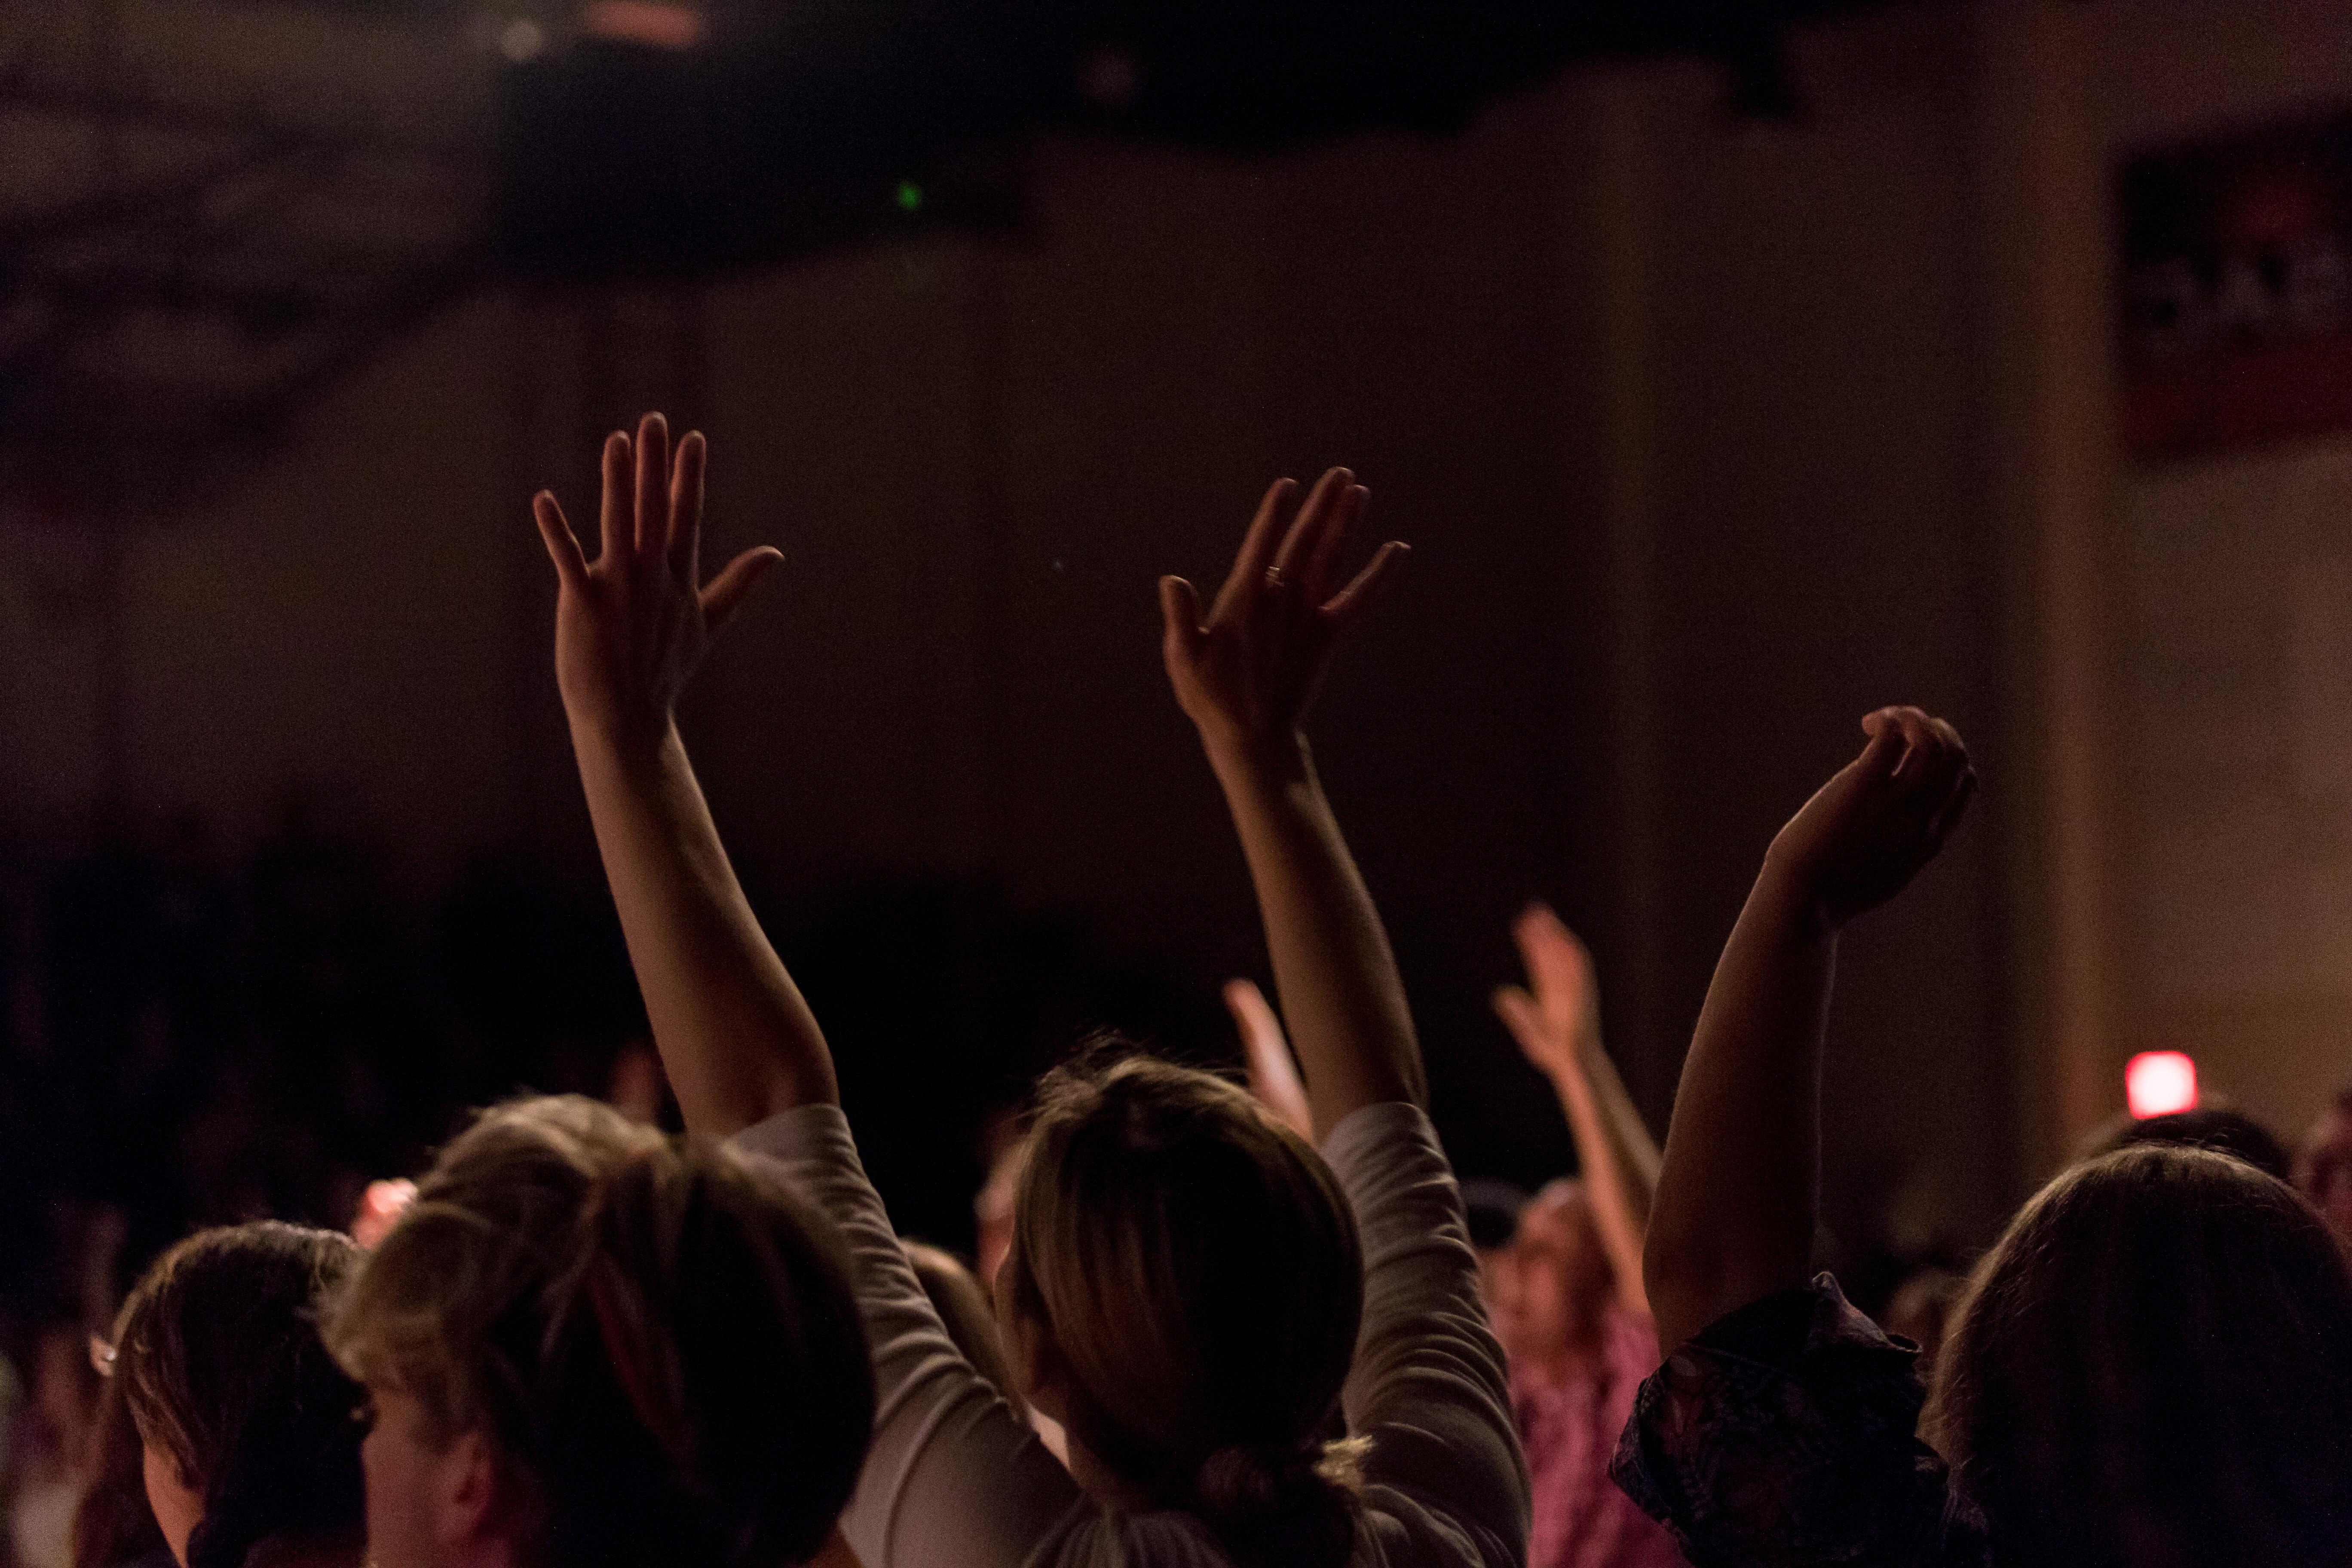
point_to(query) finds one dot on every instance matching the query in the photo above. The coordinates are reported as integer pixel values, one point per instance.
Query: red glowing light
(2157, 1083)
(650, 22)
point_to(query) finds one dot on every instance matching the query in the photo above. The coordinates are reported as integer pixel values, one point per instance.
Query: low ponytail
(1283, 1507)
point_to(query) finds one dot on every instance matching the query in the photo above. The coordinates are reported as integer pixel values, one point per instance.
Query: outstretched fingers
(616, 516)
(1330, 544)
(1351, 601)
(1556, 960)
(1326, 506)
(684, 541)
(651, 536)
(1267, 529)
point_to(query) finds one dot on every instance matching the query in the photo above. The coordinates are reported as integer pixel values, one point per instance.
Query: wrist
(634, 741)
(1282, 758)
(1789, 894)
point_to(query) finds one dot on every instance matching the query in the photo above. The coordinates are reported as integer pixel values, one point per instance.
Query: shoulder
(1096, 1539)
(1787, 1432)
(1402, 1529)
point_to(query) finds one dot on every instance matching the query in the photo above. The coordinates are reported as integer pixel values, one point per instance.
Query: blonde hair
(658, 1339)
(1194, 1265)
(2154, 1367)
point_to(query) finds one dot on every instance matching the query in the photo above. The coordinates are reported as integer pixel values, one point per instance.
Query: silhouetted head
(2153, 1369)
(2224, 1129)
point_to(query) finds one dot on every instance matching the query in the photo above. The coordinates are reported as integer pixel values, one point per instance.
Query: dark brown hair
(217, 1354)
(657, 1337)
(2154, 1368)
(1195, 1266)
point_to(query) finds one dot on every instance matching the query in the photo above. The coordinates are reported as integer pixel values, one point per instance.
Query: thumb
(563, 544)
(725, 591)
(1520, 1016)
(1180, 615)
(1885, 746)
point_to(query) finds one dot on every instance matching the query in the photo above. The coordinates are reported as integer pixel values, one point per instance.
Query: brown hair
(2154, 1367)
(216, 1350)
(1195, 1268)
(657, 1339)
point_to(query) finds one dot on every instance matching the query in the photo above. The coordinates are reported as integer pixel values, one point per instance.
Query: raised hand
(1245, 673)
(1272, 1076)
(1874, 826)
(1559, 1021)
(735, 1035)
(632, 625)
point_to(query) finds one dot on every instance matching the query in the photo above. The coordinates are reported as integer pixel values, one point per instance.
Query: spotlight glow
(2157, 1083)
(521, 40)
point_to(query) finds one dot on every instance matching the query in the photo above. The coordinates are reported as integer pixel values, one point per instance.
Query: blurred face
(1553, 1281)
(427, 1507)
(2325, 1170)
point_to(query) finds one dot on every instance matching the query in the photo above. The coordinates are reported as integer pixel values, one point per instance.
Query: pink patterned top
(1569, 1432)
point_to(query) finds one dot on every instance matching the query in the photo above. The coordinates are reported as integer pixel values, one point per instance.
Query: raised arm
(1273, 1075)
(1245, 674)
(1558, 1025)
(1733, 1220)
(630, 628)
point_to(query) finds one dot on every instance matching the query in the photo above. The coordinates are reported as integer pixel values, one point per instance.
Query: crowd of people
(1208, 1322)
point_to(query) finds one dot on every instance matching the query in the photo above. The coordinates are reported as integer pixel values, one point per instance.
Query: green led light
(911, 196)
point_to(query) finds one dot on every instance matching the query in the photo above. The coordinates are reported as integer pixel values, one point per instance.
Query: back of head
(1193, 1267)
(2154, 1368)
(657, 1339)
(218, 1357)
(2224, 1129)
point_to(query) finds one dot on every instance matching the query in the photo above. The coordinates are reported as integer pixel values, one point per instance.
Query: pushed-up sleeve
(955, 1477)
(1430, 1388)
(1785, 1434)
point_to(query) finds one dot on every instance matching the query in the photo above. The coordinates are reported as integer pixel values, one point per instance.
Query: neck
(1104, 1485)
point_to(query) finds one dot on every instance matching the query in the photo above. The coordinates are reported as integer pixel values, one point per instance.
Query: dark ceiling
(212, 208)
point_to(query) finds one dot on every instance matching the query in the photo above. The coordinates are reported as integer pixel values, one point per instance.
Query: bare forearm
(739, 1042)
(1620, 1162)
(1341, 992)
(1733, 1218)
